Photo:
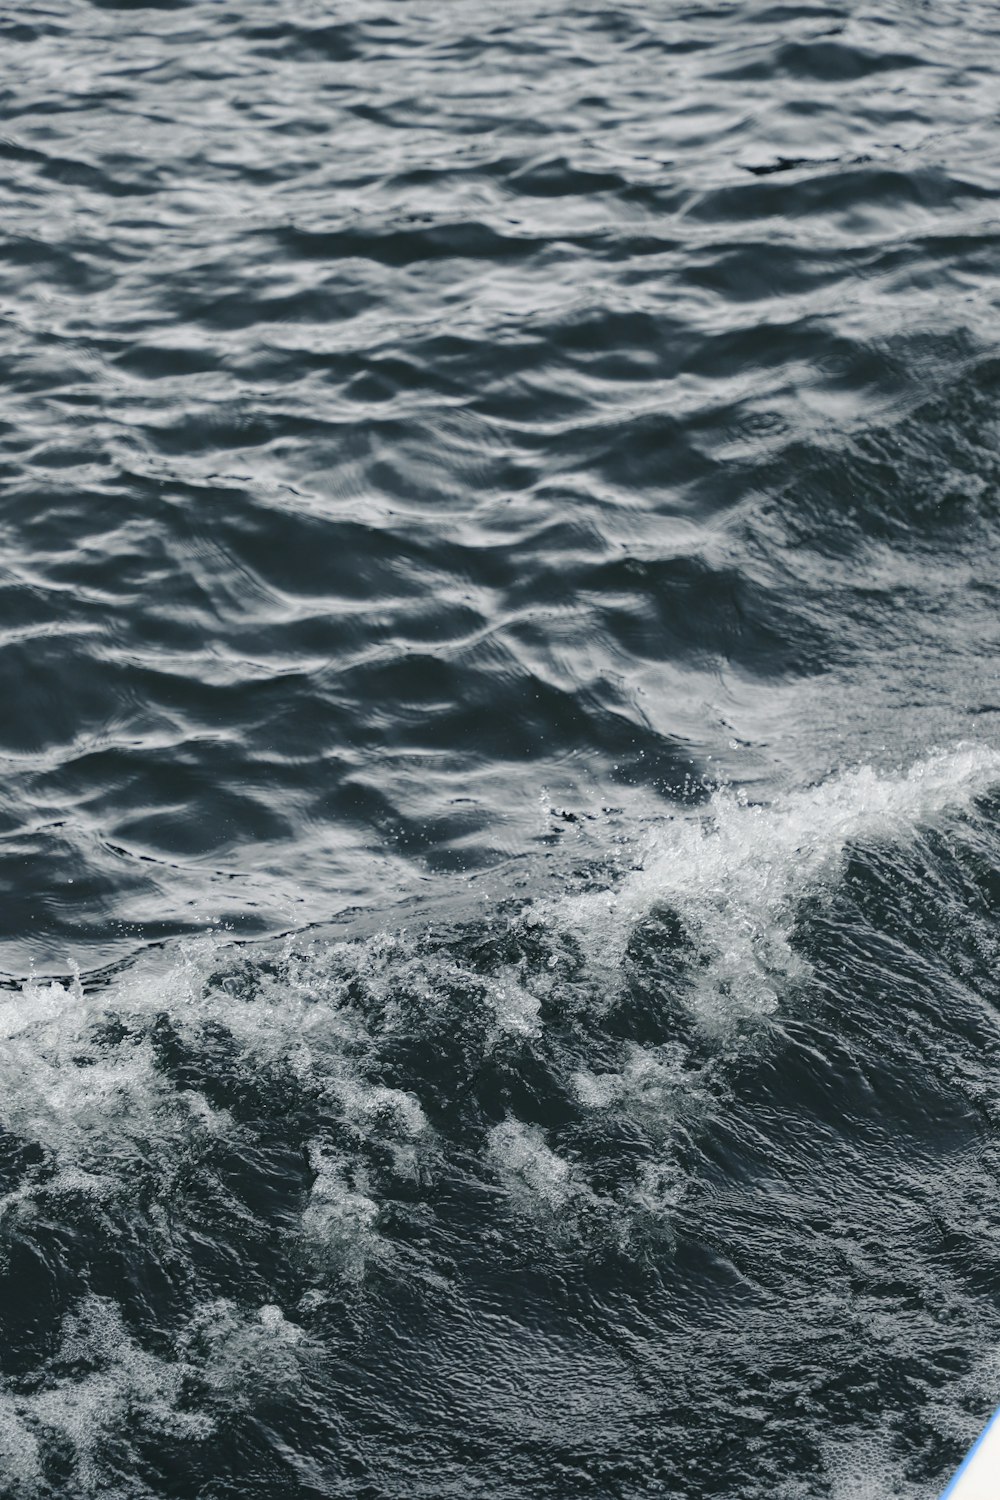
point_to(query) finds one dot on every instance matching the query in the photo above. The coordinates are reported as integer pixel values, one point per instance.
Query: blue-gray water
(499, 762)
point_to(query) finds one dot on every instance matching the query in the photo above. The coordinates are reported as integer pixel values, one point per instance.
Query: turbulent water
(499, 763)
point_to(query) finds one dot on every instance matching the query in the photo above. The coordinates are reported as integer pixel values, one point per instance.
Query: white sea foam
(518, 1009)
(372, 1110)
(865, 1469)
(20, 1454)
(244, 1352)
(649, 1084)
(530, 1170)
(735, 876)
(82, 1078)
(340, 1221)
(85, 1081)
(111, 1384)
(101, 1109)
(102, 1390)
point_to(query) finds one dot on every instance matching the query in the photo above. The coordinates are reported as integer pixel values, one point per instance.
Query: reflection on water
(499, 766)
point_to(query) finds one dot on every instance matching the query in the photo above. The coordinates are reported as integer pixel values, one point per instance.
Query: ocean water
(499, 757)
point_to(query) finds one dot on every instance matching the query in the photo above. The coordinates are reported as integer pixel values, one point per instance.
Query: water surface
(499, 773)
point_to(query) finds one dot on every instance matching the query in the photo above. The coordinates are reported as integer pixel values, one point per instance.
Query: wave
(262, 1132)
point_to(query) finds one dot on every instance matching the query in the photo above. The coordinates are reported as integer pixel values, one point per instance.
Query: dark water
(500, 774)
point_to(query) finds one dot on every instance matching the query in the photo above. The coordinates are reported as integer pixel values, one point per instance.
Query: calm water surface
(499, 758)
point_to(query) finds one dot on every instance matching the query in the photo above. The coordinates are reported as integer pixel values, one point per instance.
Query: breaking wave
(225, 1164)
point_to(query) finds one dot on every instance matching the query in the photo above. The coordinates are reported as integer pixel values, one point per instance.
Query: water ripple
(438, 448)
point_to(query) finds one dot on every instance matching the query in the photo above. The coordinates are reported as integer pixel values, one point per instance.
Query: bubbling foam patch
(340, 1221)
(857, 1470)
(530, 1169)
(87, 1077)
(102, 1396)
(99, 1386)
(100, 1108)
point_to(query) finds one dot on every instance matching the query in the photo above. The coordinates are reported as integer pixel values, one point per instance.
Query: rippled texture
(498, 812)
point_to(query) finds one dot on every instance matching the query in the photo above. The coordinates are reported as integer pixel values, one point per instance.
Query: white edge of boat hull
(979, 1476)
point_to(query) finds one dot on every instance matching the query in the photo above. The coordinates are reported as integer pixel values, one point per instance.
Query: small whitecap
(340, 1221)
(534, 1174)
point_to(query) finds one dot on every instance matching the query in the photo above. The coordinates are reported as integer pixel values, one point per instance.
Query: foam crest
(98, 1104)
(281, 1107)
(649, 1085)
(736, 876)
(123, 1084)
(374, 1110)
(102, 1393)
